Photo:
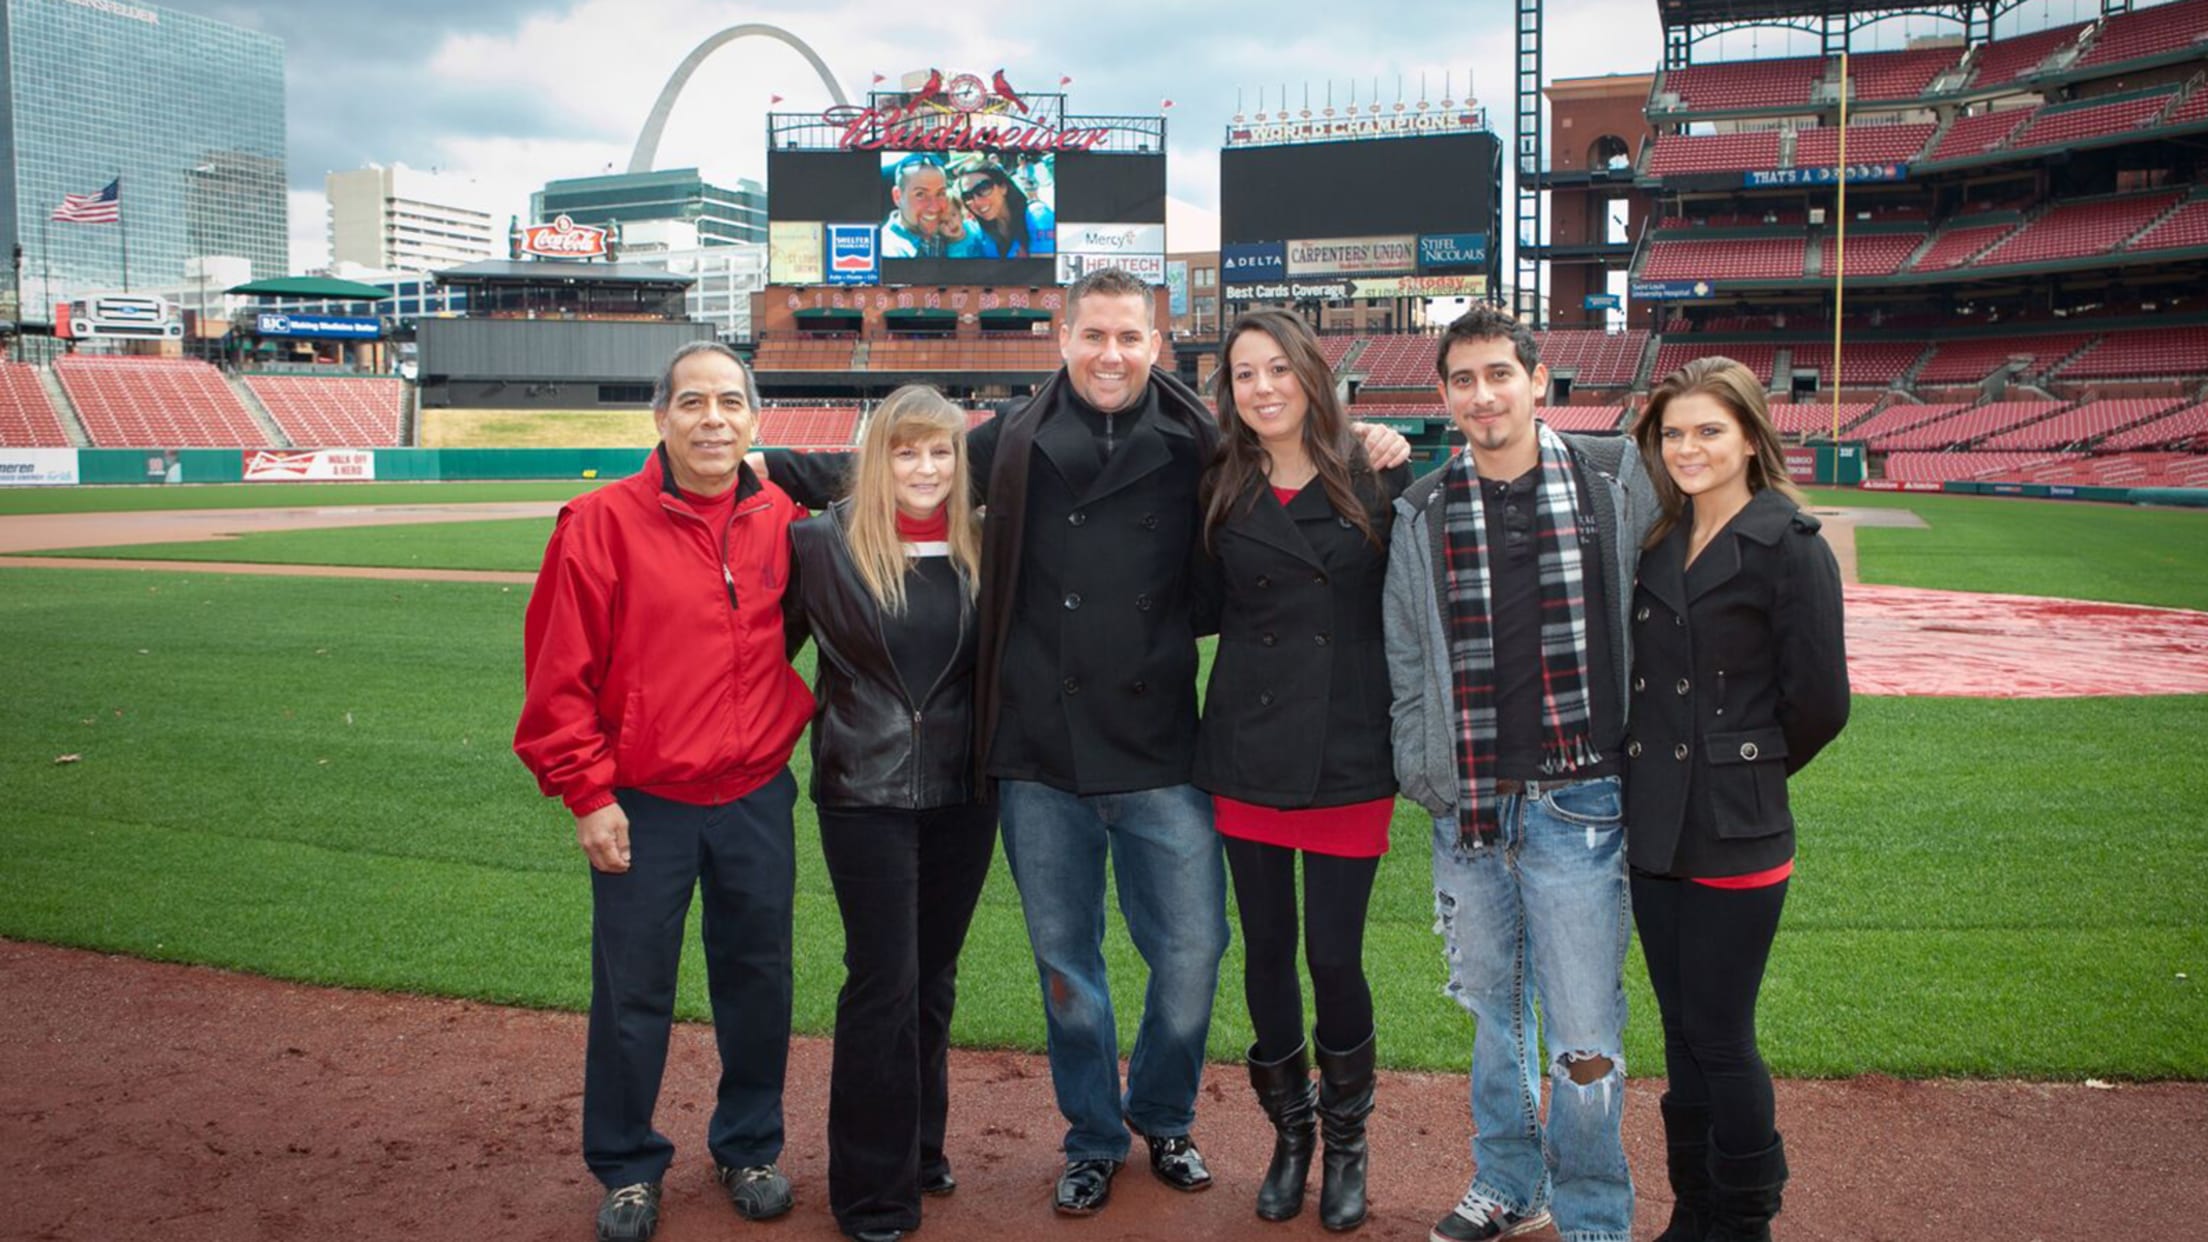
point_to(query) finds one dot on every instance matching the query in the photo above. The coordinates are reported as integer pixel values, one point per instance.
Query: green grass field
(14, 500)
(310, 778)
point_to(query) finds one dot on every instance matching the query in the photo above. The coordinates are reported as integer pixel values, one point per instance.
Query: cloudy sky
(510, 93)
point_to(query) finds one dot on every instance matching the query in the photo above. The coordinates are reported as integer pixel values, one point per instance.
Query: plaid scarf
(1565, 743)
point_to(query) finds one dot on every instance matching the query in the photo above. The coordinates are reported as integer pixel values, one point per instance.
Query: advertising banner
(1353, 256)
(1451, 250)
(1766, 177)
(563, 239)
(1292, 291)
(1669, 290)
(309, 465)
(1329, 128)
(1419, 287)
(1801, 464)
(1111, 238)
(793, 252)
(37, 467)
(319, 327)
(1253, 261)
(1599, 301)
(1148, 267)
(1176, 286)
(853, 256)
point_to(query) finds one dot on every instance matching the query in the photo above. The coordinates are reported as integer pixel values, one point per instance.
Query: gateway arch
(647, 143)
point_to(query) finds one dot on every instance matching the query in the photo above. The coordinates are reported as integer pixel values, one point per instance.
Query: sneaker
(1478, 1217)
(629, 1213)
(760, 1192)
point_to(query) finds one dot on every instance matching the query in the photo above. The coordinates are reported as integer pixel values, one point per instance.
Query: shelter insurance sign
(854, 257)
(310, 465)
(1353, 256)
(564, 239)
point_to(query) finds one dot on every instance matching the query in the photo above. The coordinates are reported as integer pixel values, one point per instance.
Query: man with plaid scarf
(1509, 576)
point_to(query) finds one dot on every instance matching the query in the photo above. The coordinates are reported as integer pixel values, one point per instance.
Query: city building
(180, 115)
(721, 215)
(406, 220)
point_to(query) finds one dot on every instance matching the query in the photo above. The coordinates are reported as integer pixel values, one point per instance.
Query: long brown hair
(1242, 460)
(914, 414)
(1735, 387)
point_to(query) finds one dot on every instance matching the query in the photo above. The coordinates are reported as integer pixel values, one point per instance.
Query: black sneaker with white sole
(629, 1213)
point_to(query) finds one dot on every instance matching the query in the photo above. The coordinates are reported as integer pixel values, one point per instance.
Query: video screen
(1364, 188)
(977, 205)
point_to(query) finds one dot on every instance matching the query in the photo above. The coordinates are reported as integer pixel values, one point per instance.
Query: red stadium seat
(2156, 31)
(333, 412)
(1675, 154)
(156, 403)
(2088, 422)
(27, 418)
(2076, 230)
(2005, 60)
(1729, 85)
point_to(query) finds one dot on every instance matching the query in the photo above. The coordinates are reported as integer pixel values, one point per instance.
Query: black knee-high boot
(1687, 1160)
(1745, 1193)
(1284, 1090)
(1345, 1101)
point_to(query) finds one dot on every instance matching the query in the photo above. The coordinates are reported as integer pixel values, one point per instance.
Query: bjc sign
(563, 239)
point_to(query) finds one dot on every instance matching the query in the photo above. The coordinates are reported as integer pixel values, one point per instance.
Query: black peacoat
(1740, 677)
(1296, 711)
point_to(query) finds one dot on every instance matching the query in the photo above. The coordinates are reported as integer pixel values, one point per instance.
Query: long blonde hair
(1735, 387)
(914, 414)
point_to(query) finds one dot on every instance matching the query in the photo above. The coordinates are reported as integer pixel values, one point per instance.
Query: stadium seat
(2003, 61)
(2077, 230)
(1976, 135)
(1677, 154)
(1758, 356)
(1814, 418)
(1738, 258)
(2146, 32)
(2187, 226)
(1874, 254)
(332, 412)
(1960, 242)
(1969, 426)
(2144, 353)
(1897, 75)
(809, 426)
(1730, 85)
(2056, 127)
(1957, 467)
(2088, 422)
(1879, 428)
(1971, 359)
(2179, 429)
(1867, 144)
(27, 418)
(1864, 363)
(129, 402)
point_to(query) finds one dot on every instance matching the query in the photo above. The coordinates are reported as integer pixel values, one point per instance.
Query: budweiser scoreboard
(963, 179)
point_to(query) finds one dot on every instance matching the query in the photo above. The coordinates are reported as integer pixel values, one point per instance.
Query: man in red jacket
(661, 708)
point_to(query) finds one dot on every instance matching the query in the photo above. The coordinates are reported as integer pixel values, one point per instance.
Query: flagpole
(122, 229)
(46, 267)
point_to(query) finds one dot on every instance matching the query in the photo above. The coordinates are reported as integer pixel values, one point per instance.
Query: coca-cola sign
(563, 239)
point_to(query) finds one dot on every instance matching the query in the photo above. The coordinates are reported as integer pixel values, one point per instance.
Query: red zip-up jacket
(652, 651)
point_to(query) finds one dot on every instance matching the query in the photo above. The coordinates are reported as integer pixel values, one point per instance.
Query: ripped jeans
(1544, 913)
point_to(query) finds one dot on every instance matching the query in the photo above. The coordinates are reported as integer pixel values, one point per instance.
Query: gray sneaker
(759, 1192)
(1477, 1218)
(629, 1213)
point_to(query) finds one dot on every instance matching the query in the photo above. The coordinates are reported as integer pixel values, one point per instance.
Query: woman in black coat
(1740, 677)
(886, 581)
(1293, 745)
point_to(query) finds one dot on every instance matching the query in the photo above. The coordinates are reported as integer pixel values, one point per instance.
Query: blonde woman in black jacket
(886, 579)
(1740, 676)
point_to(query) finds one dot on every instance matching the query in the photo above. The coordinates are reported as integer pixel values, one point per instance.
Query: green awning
(312, 287)
(829, 312)
(921, 313)
(1027, 313)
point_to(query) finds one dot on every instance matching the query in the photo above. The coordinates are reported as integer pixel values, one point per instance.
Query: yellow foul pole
(1839, 258)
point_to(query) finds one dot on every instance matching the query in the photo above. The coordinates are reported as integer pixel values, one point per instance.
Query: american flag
(105, 207)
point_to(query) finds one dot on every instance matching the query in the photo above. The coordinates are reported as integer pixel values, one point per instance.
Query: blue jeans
(1172, 890)
(1543, 912)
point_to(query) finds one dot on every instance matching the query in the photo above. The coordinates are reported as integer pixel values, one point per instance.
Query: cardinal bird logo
(1005, 92)
(930, 90)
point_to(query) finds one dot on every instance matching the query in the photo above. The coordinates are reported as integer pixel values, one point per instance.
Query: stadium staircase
(2183, 201)
(1813, 255)
(1782, 369)
(860, 354)
(258, 411)
(410, 415)
(1349, 359)
(1644, 371)
(72, 422)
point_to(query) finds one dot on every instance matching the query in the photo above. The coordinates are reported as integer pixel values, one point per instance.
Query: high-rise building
(406, 220)
(183, 115)
(722, 215)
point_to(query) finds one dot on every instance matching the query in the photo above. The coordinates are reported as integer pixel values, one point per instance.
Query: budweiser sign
(563, 239)
(929, 129)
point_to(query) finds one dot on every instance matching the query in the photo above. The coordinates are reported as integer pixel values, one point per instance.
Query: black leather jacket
(873, 746)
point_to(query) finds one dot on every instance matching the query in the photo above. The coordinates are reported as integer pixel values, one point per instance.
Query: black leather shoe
(1175, 1160)
(1086, 1186)
(878, 1235)
(938, 1183)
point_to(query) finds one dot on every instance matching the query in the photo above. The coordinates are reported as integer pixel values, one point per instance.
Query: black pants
(1706, 948)
(740, 855)
(1335, 893)
(906, 882)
